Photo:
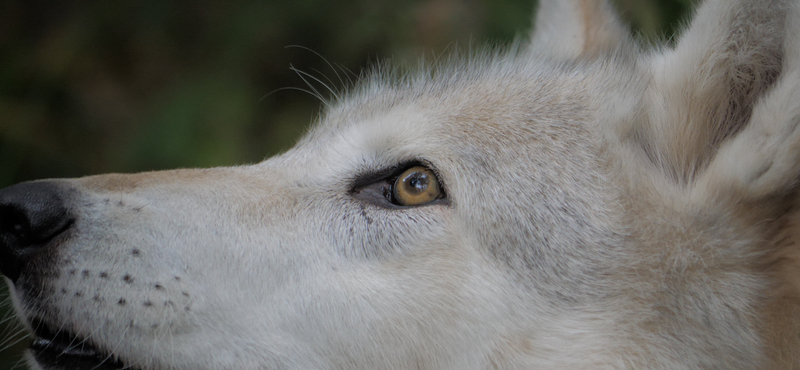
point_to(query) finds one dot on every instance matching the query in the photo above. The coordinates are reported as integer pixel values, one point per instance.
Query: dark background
(89, 87)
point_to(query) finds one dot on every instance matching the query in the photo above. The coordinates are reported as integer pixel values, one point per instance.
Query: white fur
(607, 207)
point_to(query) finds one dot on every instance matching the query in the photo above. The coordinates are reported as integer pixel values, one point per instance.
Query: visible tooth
(79, 350)
(74, 349)
(41, 343)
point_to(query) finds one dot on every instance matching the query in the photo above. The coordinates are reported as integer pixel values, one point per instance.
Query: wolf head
(578, 202)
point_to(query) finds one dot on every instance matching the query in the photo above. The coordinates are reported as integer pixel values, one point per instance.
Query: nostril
(31, 214)
(14, 224)
(32, 221)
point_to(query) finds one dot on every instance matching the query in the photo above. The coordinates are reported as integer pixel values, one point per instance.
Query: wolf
(579, 201)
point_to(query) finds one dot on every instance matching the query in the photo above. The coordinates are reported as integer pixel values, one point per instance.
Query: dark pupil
(417, 182)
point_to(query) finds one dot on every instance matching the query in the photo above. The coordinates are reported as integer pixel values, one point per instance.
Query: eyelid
(369, 177)
(390, 174)
(370, 186)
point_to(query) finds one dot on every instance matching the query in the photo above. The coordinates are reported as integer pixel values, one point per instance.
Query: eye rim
(376, 187)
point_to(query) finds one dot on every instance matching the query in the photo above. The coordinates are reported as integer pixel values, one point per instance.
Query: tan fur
(576, 28)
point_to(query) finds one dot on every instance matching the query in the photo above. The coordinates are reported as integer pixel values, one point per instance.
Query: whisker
(347, 73)
(336, 94)
(321, 57)
(292, 88)
(111, 352)
(19, 363)
(302, 74)
(318, 81)
(13, 339)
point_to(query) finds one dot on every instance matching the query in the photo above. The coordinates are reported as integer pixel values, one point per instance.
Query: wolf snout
(31, 215)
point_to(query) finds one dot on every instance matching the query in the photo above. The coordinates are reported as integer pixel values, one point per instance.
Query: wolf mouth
(64, 351)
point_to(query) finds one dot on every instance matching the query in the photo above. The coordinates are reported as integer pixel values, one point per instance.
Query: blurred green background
(89, 87)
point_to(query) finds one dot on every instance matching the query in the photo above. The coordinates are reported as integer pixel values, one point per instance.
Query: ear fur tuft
(573, 29)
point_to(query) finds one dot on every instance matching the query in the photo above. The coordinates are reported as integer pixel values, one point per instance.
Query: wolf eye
(405, 185)
(415, 186)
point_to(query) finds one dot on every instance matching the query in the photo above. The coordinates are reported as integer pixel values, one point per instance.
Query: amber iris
(416, 186)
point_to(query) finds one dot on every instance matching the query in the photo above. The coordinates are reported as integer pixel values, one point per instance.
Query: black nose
(31, 214)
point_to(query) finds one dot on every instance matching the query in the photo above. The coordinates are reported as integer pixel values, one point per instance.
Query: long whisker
(292, 88)
(302, 73)
(321, 57)
(13, 339)
(330, 82)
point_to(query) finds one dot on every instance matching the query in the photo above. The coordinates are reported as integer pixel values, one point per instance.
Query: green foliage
(89, 87)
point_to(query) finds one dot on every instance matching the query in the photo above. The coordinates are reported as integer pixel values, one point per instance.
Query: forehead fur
(491, 80)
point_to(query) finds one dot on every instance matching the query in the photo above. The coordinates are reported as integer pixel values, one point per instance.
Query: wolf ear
(705, 90)
(569, 29)
(764, 158)
(722, 108)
